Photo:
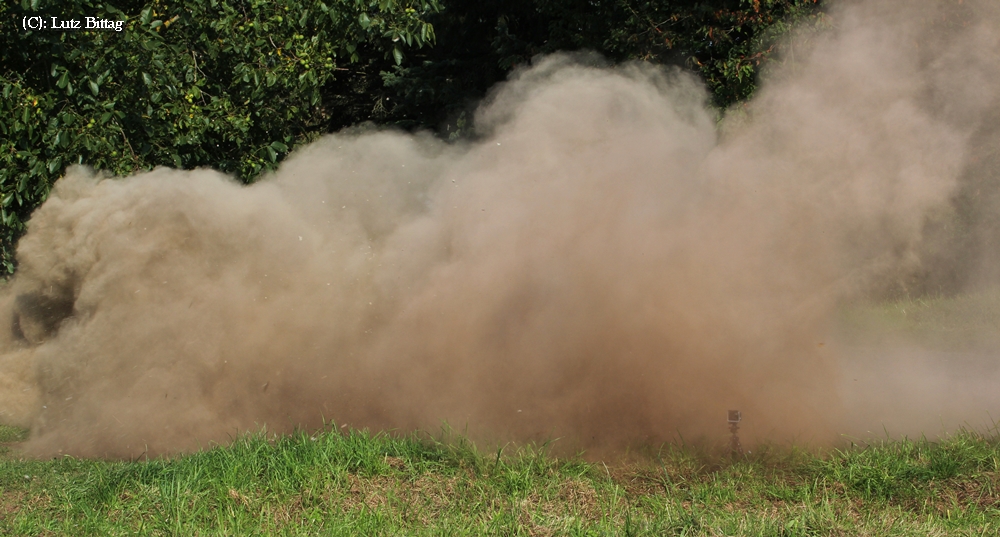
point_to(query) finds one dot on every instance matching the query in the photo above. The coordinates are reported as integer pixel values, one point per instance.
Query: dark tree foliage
(236, 84)
(479, 42)
(231, 84)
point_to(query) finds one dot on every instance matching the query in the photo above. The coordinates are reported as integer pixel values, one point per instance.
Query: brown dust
(607, 263)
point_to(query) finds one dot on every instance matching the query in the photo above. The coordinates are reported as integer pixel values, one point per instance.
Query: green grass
(359, 484)
(12, 434)
(957, 323)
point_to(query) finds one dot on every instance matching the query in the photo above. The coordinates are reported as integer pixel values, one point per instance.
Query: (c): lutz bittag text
(55, 23)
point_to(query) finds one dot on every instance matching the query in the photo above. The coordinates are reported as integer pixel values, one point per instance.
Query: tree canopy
(236, 84)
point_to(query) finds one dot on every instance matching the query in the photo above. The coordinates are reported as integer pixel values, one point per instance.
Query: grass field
(956, 323)
(357, 484)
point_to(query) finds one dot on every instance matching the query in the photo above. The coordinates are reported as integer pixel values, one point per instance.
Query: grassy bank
(359, 484)
(954, 323)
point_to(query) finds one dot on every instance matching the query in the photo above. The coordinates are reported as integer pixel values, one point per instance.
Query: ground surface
(355, 484)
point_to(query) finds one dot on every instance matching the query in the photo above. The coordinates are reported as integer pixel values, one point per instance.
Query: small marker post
(736, 450)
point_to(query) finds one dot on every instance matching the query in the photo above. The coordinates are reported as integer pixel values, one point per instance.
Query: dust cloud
(608, 263)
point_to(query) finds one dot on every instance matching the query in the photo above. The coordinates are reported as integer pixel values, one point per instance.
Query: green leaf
(397, 53)
(147, 79)
(278, 146)
(93, 87)
(364, 21)
(63, 80)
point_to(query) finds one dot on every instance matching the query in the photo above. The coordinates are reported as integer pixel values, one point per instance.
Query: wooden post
(736, 450)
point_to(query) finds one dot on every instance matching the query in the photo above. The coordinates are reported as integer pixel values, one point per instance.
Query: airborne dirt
(601, 265)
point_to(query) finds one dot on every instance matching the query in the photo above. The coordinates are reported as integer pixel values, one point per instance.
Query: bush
(232, 84)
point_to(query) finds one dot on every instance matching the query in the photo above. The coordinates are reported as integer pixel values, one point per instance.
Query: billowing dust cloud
(601, 265)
